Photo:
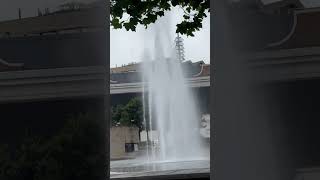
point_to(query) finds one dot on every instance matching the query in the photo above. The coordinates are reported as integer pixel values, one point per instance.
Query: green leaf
(160, 13)
(116, 23)
(186, 17)
(146, 12)
(188, 9)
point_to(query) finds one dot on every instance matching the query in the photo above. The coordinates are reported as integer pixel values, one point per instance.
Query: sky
(128, 46)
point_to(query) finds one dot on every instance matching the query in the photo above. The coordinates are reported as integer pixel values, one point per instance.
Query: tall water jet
(172, 110)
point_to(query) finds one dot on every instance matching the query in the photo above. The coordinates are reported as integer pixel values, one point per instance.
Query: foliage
(76, 152)
(116, 115)
(130, 114)
(146, 12)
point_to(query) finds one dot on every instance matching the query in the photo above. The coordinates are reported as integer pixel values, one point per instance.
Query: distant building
(133, 72)
(126, 82)
(131, 67)
(123, 140)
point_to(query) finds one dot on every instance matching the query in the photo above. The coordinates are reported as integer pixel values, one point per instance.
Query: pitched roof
(132, 73)
(54, 22)
(5, 66)
(304, 32)
(205, 71)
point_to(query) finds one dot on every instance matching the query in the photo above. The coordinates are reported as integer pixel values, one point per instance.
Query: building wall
(119, 136)
(55, 50)
(297, 104)
(127, 68)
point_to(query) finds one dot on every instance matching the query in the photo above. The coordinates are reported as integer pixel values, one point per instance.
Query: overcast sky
(129, 47)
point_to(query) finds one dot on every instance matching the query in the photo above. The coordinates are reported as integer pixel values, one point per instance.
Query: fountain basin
(131, 169)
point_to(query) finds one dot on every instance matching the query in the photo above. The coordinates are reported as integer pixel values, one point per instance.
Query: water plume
(171, 105)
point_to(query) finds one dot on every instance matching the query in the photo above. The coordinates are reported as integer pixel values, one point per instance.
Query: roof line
(10, 64)
(289, 35)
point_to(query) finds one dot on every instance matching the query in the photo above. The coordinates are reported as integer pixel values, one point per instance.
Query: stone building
(123, 140)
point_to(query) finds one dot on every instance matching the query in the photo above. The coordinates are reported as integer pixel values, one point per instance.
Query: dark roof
(84, 18)
(64, 39)
(205, 71)
(253, 35)
(5, 66)
(126, 77)
(305, 31)
(274, 5)
(190, 69)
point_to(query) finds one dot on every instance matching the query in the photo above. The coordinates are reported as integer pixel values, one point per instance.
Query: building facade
(123, 141)
(52, 72)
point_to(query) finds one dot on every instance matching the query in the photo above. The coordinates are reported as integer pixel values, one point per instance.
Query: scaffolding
(179, 48)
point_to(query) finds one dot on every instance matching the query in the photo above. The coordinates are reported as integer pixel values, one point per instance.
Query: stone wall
(119, 136)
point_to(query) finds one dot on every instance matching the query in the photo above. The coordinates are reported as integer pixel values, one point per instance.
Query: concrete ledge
(285, 65)
(138, 87)
(52, 83)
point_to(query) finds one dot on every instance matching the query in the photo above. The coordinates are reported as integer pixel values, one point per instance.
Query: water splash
(172, 109)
